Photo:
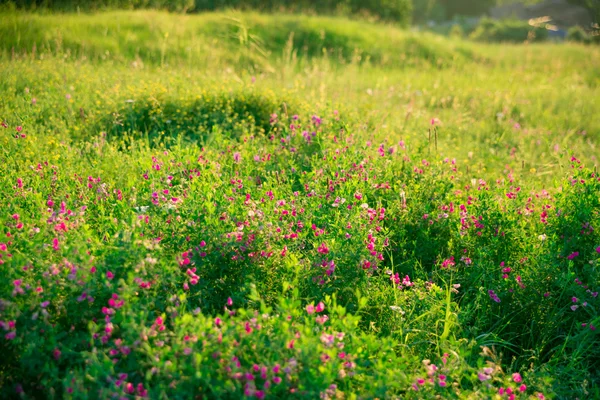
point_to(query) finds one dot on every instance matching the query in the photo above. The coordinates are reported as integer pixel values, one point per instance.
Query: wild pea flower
(320, 307)
(449, 262)
(321, 319)
(323, 249)
(522, 388)
(572, 255)
(493, 296)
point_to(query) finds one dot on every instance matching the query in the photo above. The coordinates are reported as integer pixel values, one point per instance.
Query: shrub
(578, 34)
(490, 30)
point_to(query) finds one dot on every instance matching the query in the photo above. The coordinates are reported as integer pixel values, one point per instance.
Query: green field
(235, 204)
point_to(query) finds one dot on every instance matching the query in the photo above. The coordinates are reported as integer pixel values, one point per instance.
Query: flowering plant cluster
(231, 239)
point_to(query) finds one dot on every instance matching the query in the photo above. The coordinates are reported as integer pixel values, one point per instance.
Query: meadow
(230, 205)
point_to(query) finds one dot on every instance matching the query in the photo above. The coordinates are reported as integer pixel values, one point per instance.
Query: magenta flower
(109, 275)
(522, 388)
(572, 255)
(310, 309)
(320, 307)
(598, 249)
(493, 296)
(517, 377)
(449, 262)
(323, 249)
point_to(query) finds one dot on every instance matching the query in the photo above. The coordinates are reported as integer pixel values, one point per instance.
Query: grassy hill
(439, 196)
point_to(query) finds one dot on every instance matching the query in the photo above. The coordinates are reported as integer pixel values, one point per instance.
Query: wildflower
(448, 262)
(493, 296)
(320, 307)
(572, 255)
(323, 249)
(237, 157)
(522, 388)
(310, 309)
(483, 377)
(517, 377)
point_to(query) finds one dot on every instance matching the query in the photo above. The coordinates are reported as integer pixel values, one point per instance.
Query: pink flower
(572, 255)
(229, 302)
(517, 377)
(56, 354)
(522, 388)
(574, 299)
(493, 296)
(109, 275)
(320, 307)
(323, 249)
(310, 309)
(218, 321)
(598, 249)
(55, 245)
(483, 377)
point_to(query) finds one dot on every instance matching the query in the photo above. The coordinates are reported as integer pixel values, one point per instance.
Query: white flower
(542, 237)
(397, 309)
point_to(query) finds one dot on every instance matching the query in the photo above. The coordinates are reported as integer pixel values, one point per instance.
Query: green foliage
(578, 34)
(490, 30)
(397, 11)
(213, 206)
(467, 7)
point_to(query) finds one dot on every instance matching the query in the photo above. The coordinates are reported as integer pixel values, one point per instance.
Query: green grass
(118, 107)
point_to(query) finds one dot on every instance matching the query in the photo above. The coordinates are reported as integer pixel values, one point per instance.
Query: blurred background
(484, 20)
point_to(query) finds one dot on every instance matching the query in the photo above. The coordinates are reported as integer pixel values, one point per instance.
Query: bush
(93, 5)
(399, 11)
(389, 10)
(577, 34)
(490, 30)
(457, 31)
